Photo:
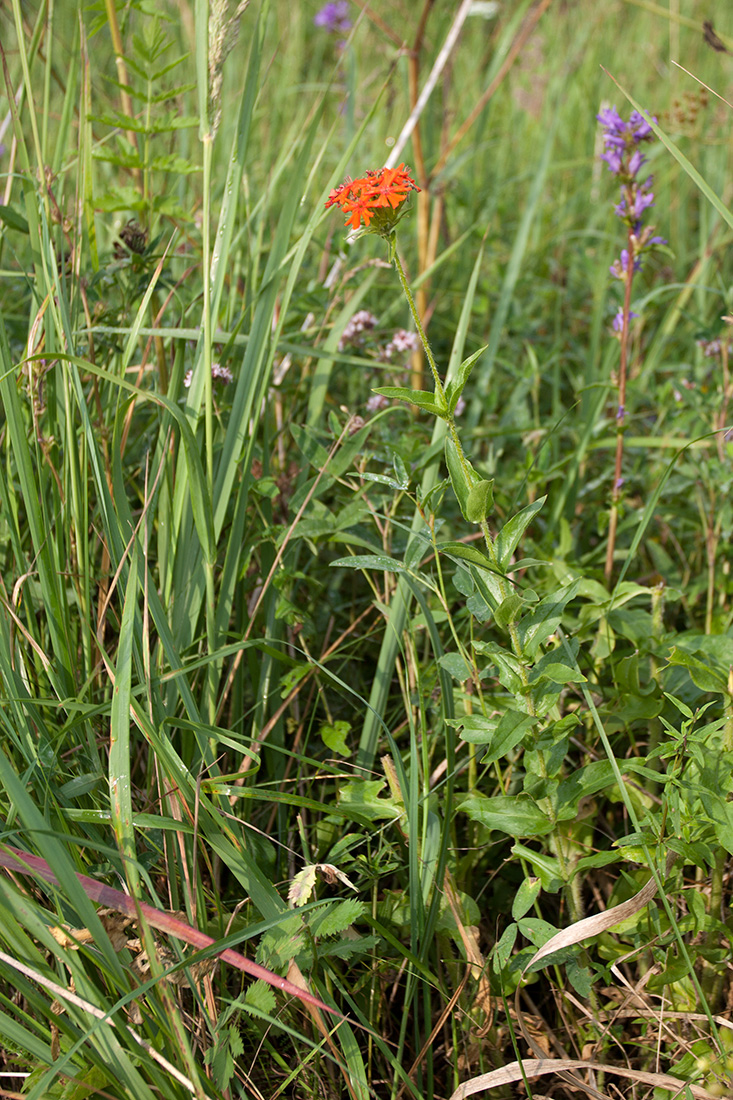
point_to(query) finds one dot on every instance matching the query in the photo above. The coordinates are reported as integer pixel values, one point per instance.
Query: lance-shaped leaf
(455, 388)
(428, 402)
(463, 477)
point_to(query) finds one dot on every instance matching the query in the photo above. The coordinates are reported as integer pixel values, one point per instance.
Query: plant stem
(467, 471)
(211, 638)
(621, 413)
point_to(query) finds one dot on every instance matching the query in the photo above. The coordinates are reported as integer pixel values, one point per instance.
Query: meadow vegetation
(366, 649)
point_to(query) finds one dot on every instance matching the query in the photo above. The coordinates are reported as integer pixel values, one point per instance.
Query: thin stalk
(620, 414)
(712, 976)
(208, 146)
(423, 199)
(468, 474)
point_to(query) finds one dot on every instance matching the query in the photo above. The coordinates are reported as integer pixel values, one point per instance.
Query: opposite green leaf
(424, 400)
(455, 388)
(462, 475)
(480, 502)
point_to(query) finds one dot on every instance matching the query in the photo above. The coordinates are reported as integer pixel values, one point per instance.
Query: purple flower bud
(613, 160)
(618, 321)
(641, 128)
(636, 160)
(610, 119)
(642, 200)
(619, 269)
(334, 17)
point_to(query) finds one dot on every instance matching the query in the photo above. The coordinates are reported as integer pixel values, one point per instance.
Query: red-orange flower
(374, 196)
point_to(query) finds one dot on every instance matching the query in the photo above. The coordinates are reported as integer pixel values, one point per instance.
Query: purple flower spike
(621, 140)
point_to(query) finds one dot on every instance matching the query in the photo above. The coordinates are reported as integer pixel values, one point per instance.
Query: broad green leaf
(508, 610)
(515, 815)
(547, 868)
(311, 447)
(455, 665)
(370, 561)
(536, 930)
(503, 949)
(480, 502)
(361, 797)
(334, 736)
(477, 729)
(580, 977)
(13, 219)
(703, 675)
(260, 997)
(511, 729)
(557, 673)
(595, 777)
(500, 735)
(509, 666)
(467, 553)
(382, 479)
(544, 619)
(526, 896)
(335, 918)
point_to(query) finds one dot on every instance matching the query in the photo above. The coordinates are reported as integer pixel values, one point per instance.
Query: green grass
(263, 703)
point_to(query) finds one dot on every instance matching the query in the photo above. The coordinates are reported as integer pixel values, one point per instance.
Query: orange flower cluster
(365, 198)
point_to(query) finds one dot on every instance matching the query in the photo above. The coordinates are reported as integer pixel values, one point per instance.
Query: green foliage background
(253, 670)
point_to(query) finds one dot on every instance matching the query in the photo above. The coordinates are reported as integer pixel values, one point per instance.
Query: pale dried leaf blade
(599, 922)
(297, 978)
(302, 885)
(331, 873)
(539, 1067)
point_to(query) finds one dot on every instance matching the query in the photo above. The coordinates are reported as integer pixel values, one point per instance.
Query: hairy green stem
(468, 473)
(620, 414)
